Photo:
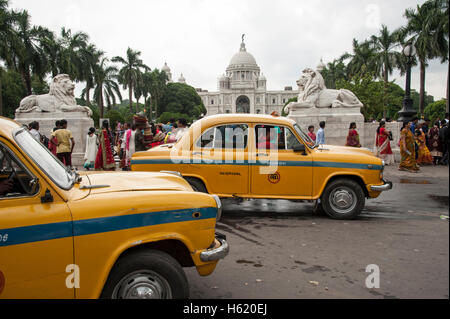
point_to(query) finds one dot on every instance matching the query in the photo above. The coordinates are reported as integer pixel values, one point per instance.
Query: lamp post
(407, 112)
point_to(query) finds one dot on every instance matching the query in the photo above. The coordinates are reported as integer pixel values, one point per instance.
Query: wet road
(281, 249)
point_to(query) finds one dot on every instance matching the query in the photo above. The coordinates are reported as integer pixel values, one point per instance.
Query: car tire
(343, 199)
(196, 185)
(149, 274)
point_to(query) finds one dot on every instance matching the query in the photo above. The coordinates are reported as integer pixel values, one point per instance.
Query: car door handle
(197, 153)
(262, 155)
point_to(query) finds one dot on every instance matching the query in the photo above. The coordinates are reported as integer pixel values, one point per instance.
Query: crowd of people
(419, 142)
(128, 138)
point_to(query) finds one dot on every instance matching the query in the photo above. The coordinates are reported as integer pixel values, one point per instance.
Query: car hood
(109, 182)
(353, 154)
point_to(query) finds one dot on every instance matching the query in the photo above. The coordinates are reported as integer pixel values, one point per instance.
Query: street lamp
(407, 112)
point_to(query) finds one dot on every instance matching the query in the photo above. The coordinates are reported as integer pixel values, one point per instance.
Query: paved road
(279, 247)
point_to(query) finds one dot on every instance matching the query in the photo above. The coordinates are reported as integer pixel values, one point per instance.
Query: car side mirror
(299, 149)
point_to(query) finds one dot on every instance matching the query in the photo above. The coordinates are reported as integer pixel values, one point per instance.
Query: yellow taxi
(99, 234)
(262, 156)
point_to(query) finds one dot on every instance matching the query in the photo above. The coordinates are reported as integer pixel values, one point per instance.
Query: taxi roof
(7, 126)
(244, 118)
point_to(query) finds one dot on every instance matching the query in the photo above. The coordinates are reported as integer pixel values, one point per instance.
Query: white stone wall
(77, 122)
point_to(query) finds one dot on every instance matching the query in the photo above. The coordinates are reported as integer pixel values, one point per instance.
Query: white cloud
(199, 37)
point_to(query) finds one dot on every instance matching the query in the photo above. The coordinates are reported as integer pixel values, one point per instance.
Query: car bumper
(381, 188)
(219, 251)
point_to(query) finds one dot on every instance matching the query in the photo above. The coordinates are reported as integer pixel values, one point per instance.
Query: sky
(199, 37)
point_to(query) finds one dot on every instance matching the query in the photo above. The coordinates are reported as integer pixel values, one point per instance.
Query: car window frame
(196, 147)
(25, 168)
(293, 132)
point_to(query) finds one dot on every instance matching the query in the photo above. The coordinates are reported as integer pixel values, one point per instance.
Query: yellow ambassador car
(108, 235)
(259, 156)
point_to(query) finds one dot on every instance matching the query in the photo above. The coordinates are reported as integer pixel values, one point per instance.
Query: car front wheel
(150, 274)
(343, 199)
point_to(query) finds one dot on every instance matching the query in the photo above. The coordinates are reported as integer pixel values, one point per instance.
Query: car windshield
(54, 169)
(305, 137)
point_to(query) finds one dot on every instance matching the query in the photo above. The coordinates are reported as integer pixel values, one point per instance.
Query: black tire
(346, 191)
(196, 185)
(318, 208)
(151, 265)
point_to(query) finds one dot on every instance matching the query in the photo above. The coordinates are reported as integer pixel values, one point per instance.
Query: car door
(220, 156)
(36, 243)
(278, 170)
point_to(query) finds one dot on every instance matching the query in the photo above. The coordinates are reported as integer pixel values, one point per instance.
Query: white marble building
(242, 89)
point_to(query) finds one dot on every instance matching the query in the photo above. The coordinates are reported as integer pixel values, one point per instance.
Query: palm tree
(27, 52)
(419, 33)
(438, 27)
(386, 58)
(89, 57)
(69, 59)
(5, 31)
(106, 86)
(158, 83)
(130, 72)
(362, 58)
(333, 72)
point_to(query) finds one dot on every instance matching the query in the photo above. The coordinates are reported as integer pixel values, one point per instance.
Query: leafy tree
(157, 81)
(131, 71)
(27, 52)
(371, 92)
(182, 98)
(435, 110)
(13, 92)
(362, 59)
(333, 72)
(106, 86)
(420, 35)
(386, 58)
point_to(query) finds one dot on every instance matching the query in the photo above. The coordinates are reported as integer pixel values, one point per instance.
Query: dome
(243, 58)
(181, 79)
(262, 77)
(165, 67)
(321, 66)
(224, 78)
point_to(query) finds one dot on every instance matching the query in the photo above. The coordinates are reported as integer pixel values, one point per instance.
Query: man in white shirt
(34, 131)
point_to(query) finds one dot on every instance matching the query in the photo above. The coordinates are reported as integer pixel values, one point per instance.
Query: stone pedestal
(77, 122)
(337, 121)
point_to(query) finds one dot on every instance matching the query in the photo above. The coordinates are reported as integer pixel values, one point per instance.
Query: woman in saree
(383, 144)
(105, 159)
(424, 155)
(434, 143)
(407, 150)
(353, 136)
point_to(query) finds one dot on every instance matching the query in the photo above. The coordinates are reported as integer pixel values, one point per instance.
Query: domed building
(242, 89)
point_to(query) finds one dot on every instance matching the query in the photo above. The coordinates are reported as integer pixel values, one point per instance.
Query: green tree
(106, 86)
(27, 52)
(181, 98)
(371, 92)
(13, 92)
(131, 72)
(157, 86)
(362, 59)
(333, 72)
(420, 35)
(435, 110)
(386, 58)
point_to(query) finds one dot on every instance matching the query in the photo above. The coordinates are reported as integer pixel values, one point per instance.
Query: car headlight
(219, 207)
(383, 165)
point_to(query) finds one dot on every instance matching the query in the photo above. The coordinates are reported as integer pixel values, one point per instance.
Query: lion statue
(314, 93)
(60, 99)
